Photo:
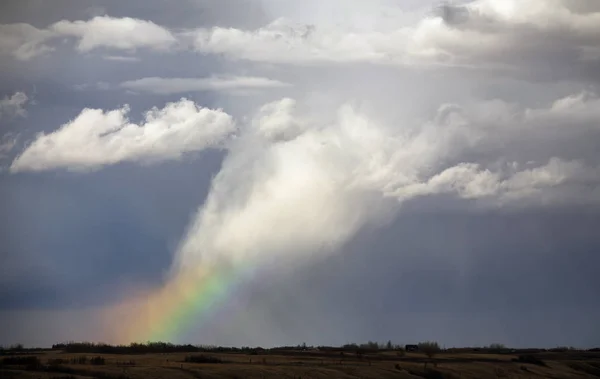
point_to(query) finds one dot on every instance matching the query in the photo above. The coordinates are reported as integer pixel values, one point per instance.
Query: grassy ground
(55, 364)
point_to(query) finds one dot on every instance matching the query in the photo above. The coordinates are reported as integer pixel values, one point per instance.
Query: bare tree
(430, 349)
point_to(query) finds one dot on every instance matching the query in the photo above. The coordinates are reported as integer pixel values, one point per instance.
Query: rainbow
(189, 298)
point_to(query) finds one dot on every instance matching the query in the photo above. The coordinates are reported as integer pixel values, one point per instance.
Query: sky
(273, 172)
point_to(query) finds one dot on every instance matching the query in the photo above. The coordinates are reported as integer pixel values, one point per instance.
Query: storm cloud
(381, 164)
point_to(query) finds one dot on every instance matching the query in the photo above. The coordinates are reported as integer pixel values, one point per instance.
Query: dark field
(294, 363)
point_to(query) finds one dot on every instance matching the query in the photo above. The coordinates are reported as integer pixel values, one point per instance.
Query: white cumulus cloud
(96, 138)
(117, 33)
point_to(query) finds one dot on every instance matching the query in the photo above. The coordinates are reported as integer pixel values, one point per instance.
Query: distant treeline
(133, 348)
(166, 347)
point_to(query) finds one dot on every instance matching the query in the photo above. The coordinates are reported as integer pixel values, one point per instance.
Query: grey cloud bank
(480, 34)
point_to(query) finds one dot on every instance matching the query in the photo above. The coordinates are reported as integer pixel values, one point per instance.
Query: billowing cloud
(278, 120)
(297, 183)
(167, 86)
(117, 33)
(96, 138)
(469, 181)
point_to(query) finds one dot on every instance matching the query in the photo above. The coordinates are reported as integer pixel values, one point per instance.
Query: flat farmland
(300, 364)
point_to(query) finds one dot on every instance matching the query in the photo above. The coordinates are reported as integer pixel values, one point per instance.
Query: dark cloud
(76, 241)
